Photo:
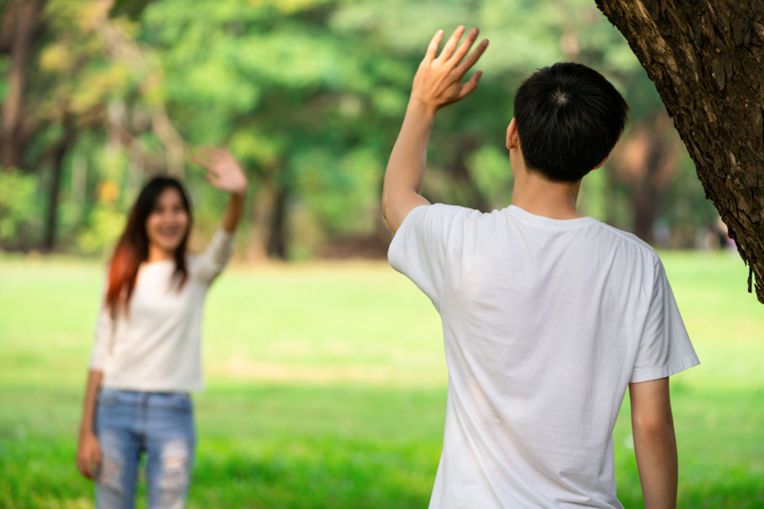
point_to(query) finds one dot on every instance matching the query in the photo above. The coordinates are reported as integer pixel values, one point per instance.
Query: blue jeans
(160, 424)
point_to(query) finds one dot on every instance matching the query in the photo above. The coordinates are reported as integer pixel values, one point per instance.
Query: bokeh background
(326, 379)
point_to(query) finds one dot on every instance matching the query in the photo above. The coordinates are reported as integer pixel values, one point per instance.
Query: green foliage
(591, 198)
(331, 186)
(490, 169)
(20, 211)
(102, 232)
(309, 94)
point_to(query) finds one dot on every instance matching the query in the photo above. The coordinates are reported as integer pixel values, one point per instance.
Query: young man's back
(548, 316)
(546, 322)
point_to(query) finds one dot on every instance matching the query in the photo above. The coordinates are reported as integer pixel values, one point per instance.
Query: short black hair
(569, 118)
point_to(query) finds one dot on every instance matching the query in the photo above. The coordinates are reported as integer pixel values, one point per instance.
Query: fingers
(213, 178)
(473, 57)
(83, 468)
(210, 156)
(203, 157)
(450, 46)
(432, 49)
(88, 463)
(471, 85)
(464, 47)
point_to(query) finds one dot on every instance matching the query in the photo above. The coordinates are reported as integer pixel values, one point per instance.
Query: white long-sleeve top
(156, 346)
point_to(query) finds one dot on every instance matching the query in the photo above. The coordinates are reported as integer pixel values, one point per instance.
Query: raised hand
(438, 81)
(223, 171)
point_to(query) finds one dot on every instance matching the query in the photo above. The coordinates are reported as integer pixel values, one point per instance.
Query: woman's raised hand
(223, 171)
(438, 80)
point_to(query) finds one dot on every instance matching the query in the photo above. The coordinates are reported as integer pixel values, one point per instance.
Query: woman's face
(168, 222)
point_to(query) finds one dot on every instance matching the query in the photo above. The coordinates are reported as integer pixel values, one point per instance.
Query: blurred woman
(146, 357)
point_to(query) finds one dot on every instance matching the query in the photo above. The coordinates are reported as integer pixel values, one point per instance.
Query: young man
(548, 316)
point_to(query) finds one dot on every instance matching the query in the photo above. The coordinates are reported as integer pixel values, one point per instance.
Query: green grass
(326, 387)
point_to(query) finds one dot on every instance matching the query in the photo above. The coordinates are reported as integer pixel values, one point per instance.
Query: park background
(325, 371)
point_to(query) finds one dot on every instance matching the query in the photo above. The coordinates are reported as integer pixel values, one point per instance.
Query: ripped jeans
(129, 423)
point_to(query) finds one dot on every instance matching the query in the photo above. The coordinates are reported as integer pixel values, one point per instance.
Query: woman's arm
(225, 173)
(233, 212)
(88, 448)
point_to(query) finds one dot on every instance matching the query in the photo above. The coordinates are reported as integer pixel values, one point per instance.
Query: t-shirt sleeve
(208, 265)
(425, 245)
(665, 348)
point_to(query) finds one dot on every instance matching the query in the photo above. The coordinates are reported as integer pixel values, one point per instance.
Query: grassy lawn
(326, 387)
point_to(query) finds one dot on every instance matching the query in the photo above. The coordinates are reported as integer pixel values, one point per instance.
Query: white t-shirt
(157, 345)
(545, 323)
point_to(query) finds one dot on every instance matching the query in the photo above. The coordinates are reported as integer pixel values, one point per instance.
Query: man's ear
(513, 138)
(602, 163)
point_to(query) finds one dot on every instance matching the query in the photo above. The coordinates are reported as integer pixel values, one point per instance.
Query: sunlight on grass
(326, 387)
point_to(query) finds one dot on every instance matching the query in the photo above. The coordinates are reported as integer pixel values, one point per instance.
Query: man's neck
(537, 195)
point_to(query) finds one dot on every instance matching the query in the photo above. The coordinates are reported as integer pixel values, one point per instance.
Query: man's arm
(654, 442)
(437, 82)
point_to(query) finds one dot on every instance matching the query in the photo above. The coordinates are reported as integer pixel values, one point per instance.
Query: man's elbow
(655, 425)
(387, 205)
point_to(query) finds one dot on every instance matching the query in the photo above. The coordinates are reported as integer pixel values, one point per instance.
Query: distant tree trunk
(269, 222)
(57, 155)
(645, 162)
(23, 20)
(257, 247)
(277, 234)
(707, 62)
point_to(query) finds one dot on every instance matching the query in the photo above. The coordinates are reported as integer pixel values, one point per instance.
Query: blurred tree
(642, 165)
(77, 74)
(706, 60)
(309, 94)
(296, 101)
(20, 21)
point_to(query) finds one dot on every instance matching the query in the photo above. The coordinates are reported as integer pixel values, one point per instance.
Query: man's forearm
(437, 83)
(656, 453)
(405, 170)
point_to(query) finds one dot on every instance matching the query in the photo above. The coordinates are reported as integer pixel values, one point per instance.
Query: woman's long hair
(133, 246)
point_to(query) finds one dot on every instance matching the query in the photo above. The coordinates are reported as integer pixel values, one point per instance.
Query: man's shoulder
(443, 212)
(621, 238)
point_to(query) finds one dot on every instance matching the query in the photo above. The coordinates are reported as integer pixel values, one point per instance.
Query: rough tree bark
(706, 59)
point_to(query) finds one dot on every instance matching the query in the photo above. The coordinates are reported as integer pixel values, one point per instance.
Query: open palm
(438, 80)
(223, 171)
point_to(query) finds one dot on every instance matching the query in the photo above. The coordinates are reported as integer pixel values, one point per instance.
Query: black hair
(133, 246)
(569, 118)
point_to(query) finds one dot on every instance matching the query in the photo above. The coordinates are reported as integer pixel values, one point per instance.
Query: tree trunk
(257, 249)
(24, 20)
(58, 153)
(707, 62)
(645, 162)
(277, 234)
